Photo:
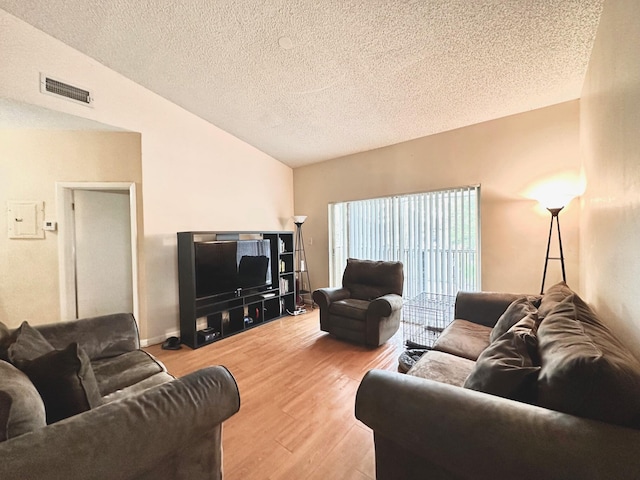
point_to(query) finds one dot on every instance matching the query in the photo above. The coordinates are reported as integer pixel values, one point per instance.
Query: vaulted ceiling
(309, 80)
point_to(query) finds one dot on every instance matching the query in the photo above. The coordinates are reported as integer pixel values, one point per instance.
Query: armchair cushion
(368, 279)
(350, 307)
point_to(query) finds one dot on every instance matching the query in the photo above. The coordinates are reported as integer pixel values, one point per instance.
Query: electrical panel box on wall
(25, 219)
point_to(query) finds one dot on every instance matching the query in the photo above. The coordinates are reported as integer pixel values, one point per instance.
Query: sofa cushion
(515, 312)
(463, 339)
(141, 386)
(28, 344)
(65, 381)
(21, 407)
(552, 297)
(119, 372)
(442, 367)
(351, 308)
(586, 371)
(509, 367)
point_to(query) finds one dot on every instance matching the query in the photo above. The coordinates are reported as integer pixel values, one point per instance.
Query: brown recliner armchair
(368, 306)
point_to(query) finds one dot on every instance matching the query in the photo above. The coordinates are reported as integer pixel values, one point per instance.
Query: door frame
(66, 242)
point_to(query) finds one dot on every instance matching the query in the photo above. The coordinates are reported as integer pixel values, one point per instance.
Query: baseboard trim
(145, 342)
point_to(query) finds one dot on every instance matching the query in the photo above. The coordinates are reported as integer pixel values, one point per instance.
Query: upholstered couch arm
(385, 305)
(100, 337)
(171, 431)
(325, 296)
(452, 432)
(484, 308)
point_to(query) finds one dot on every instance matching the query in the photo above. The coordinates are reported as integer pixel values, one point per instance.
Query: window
(434, 234)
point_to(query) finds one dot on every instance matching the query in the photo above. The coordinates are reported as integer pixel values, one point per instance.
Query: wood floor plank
(297, 389)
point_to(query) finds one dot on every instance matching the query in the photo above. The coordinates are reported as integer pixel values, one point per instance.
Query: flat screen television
(227, 267)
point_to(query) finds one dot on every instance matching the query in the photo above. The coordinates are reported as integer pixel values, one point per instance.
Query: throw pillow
(21, 407)
(65, 380)
(586, 371)
(552, 297)
(515, 312)
(5, 340)
(509, 366)
(29, 344)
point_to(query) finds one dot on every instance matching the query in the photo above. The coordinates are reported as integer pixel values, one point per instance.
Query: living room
(172, 155)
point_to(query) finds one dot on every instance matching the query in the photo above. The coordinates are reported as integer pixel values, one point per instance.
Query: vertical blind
(434, 234)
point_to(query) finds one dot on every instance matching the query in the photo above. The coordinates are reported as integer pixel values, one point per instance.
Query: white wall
(610, 146)
(30, 162)
(507, 157)
(194, 175)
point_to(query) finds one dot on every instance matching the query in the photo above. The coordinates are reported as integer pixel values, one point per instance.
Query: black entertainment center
(232, 281)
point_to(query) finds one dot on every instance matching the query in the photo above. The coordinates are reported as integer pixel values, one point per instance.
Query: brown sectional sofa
(517, 386)
(81, 400)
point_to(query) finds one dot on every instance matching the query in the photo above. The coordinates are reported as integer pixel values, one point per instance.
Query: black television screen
(226, 266)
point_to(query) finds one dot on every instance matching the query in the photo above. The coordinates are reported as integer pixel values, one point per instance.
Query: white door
(102, 252)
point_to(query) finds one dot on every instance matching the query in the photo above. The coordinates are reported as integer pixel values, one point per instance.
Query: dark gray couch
(566, 406)
(146, 424)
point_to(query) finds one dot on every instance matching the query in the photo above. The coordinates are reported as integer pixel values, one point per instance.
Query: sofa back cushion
(552, 297)
(586, 371)
(21, 407)
(367, 279)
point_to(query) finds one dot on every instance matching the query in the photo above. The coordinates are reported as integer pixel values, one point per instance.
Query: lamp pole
(554, 215)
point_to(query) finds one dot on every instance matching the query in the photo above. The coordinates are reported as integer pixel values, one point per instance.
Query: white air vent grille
(56, 87)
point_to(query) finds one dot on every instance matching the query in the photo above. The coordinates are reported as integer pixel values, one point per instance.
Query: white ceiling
(310, 80)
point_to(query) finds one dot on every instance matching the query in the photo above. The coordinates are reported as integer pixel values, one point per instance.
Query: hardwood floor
(297, 390)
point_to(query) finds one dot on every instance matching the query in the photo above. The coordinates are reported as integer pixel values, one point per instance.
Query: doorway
(97, 248)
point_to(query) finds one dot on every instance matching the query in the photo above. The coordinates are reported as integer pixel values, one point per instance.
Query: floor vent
(56, 87)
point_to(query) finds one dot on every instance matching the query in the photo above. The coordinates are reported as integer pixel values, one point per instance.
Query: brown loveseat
(81, 400)
(366, 309)
(517, 387)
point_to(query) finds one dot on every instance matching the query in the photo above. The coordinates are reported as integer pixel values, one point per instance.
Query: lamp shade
(299, 218)
(555, 200)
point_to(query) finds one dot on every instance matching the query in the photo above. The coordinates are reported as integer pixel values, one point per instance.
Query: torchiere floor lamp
(555, 211)
(303, 285)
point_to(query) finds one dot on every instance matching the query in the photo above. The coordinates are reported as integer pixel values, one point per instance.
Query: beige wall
(31, 161)
(506, 157)
(195, 176)
(610, 146)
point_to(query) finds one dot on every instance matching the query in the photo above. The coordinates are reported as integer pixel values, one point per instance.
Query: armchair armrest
(133, 436)
(325, 296)
(385, 305)
(472, 435)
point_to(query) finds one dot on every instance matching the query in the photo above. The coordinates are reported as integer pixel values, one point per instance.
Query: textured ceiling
(310, 80)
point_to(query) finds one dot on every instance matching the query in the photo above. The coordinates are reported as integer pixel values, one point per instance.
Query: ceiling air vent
(60, 89)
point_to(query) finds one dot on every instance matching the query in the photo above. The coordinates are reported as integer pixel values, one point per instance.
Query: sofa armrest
(385, 305)
(127, 438)
(484, 308)
(472, 435)
(100, 337)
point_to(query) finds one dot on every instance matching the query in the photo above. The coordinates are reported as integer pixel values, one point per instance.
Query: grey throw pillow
(515, 312)
(509, 367)
(29, 344)
(21, 407)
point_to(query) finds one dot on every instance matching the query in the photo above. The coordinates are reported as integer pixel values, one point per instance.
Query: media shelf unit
(208, 319)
